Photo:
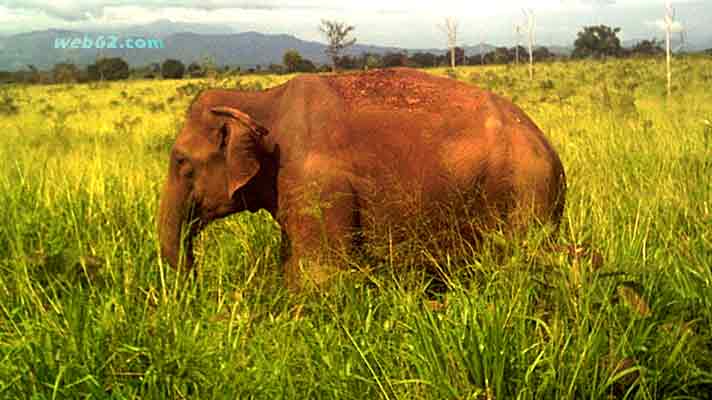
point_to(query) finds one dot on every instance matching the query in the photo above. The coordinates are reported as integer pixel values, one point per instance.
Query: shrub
(108, 69)
(172, 69)
(7, 104)
(195, 70)
(65, 73)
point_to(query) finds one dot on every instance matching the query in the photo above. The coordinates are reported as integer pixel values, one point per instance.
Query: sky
(399, 23)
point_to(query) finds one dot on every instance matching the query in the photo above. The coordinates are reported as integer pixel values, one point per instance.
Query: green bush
(108, 69)
(172, 69)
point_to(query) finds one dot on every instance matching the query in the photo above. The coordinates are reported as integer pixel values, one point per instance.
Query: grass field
(88, 310)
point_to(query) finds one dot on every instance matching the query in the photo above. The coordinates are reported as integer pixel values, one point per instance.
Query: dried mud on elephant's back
(403, 90)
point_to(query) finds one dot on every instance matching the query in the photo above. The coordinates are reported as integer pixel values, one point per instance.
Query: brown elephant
(339, 159)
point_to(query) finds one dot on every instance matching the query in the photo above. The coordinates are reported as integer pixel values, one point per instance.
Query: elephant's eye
(223, 137)
(183, 166)
(188, 172)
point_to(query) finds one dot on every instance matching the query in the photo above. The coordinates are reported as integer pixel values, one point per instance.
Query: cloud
(67, 10)
(599, 2)
(74, 10)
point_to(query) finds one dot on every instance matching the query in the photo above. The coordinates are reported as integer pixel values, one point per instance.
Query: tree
(195, 70)
(348, 62)
(500, 55)
(459, 55)
(598, 42)
(108, 69)
(337, 36)
(424, 60)
(669, 21)
(294, 62)
(209, 67)
(370, 60)
(151, 71)
(65, 73)
(517, 50)
(518, 47)
(450, 28)
(531, 23)
(394, 59)
(93, 73)
(291, 60)
(306, 65)
(542, 53)
(7, 77)
(647, 48)
(29, 75)
(172, 69)
(276, 69)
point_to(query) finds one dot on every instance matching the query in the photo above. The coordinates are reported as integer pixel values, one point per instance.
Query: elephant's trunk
(175, 237)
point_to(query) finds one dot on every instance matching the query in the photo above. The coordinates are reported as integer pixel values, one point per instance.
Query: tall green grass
(89, 310)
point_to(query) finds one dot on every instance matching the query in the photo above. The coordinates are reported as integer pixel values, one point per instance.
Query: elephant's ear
(241, 137)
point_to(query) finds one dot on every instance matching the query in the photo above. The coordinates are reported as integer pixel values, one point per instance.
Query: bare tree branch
(518, 34)
(531, 25)
(336, 34)
(450, 28)
(669, 21)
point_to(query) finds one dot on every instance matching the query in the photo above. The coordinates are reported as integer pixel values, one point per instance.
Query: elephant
(339, 159)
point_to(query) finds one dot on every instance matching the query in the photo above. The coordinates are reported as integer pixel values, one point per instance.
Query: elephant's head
(213, 164)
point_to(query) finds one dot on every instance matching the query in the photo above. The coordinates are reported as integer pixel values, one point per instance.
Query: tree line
(112, 69)
(597, 42)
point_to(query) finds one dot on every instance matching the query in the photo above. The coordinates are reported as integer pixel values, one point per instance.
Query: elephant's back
(482, 146)
(403, 89)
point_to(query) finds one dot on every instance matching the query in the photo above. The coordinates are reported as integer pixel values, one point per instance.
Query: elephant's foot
(306, 274)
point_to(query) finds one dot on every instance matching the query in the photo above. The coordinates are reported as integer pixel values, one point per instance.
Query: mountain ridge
(242, 49)
(222, 44)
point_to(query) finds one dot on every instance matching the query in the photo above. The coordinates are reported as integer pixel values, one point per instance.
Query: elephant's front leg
(317, 231)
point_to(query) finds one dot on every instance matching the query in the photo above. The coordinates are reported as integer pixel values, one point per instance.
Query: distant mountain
(34, 48)
(476, 50)
(251, 48)
(186, 42)
(244, 49)
(163, 27)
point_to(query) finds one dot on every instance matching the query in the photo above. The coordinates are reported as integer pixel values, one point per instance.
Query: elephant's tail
(557, 214)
